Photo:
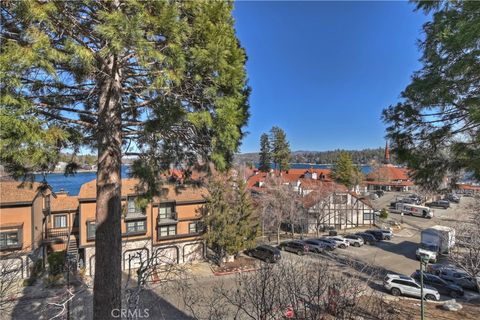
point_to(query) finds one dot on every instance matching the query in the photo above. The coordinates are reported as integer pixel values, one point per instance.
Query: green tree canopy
(435, 128)
(280, 149)
(230, 220)
(265, 155)
(344, 171)
(162, 80)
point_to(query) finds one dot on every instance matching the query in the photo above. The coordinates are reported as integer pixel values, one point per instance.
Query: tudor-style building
(326, 203)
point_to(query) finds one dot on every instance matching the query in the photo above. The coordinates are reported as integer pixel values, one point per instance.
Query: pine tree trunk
(108, 241)
(278, 234)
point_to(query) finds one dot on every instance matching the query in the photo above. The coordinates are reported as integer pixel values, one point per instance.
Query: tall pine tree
(344, 171)
(162, 80)
(280, 149)
(435, 128)
(230, 220)
(265, 155)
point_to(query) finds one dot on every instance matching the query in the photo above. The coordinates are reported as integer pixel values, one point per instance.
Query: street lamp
(423, 261)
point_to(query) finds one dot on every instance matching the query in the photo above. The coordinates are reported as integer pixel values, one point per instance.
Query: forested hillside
(364, 156)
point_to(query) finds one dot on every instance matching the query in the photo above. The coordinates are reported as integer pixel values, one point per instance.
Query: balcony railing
(56, 234)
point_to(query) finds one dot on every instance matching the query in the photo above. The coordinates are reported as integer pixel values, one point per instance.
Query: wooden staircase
(72, 246)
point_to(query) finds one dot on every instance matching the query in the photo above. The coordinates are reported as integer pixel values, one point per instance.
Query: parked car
(367, 237)
(438, 283)
(407, 286)
(388, 234)
(315, 246)
(354, 240)
(378, 234)
(416, 199)
(435, 268)
(330, 244)
(264, 252)
(452, 198)
(438, 204)
(459, 277)
(340, 241)
(295, 246)
(380, 193)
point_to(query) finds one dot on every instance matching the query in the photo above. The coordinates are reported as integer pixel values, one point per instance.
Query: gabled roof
(64, 203)
(15, 191)
(389, 173)
(170, 192)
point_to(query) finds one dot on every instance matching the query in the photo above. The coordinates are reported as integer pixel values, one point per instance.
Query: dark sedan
(295, 246)
(329, 244)
(315, 246)
(367, 237)
(378, 234)
(441, 285)
(265, 253)
(439, 204)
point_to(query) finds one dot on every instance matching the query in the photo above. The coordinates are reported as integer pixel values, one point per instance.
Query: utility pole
(423, 261)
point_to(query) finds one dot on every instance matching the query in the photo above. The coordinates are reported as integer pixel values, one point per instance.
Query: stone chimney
(62, 193)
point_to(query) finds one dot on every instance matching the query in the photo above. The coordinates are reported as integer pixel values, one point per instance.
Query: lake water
(72, 184)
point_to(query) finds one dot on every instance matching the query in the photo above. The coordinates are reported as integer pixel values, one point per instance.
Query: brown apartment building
(23, 209)
(168, 230)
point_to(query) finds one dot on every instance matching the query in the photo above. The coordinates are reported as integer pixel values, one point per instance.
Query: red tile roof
(389, 173)
(468, 187)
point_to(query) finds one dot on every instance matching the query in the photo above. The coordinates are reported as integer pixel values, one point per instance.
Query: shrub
(28, 282)
(384, 214)
(53, 280)
(56, 260)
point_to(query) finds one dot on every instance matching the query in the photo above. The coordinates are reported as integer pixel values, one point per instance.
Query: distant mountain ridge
(364, 156)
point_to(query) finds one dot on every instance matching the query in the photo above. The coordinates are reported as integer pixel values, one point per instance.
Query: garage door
(132, 259)
(192, 252)
(165, 255)
(12, 268)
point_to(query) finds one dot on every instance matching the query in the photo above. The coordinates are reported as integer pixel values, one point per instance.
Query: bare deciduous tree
(466, 253)
(10, 277)
(279, 203)
(301, 289)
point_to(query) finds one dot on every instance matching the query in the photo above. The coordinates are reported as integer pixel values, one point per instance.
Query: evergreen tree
(280, 149)
(265, 156)
(230, 221)
(344, 171)
(162, 80)
(435, 129)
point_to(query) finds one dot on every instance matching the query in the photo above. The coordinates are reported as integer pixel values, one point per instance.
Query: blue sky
(323, 71)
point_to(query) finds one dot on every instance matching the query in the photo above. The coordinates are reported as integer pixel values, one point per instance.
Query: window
(132, 206)
(60, 221)
(195, 227)
(340, 199)
(47, 203)
(9, 239)
(166, 231)
(138, 226)
(166, 210)
(91, 229)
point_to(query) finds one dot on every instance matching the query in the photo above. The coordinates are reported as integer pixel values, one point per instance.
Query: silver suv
(407, 286)
(340, 241)
(354, 240)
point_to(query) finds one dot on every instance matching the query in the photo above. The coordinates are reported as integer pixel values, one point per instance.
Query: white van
(414, 210)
